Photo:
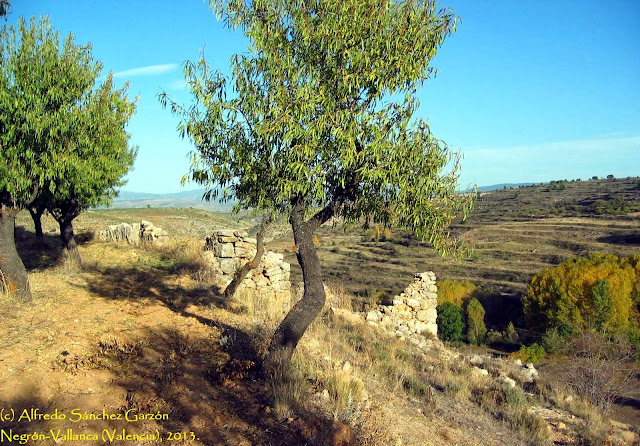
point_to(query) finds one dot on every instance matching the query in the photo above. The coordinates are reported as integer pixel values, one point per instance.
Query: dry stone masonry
(413, 311)
(266, 291)
(133, 233)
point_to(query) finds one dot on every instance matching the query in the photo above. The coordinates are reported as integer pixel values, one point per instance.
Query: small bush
(553, 341)
(511, 335)
(450, 322)
(532, 353)
(494, 337)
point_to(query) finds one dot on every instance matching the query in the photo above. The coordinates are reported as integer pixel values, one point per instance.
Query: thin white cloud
(150, 70)
(178, 84)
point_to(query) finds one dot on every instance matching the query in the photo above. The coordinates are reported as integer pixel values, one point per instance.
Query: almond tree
(318, 121)
(96, 157)
(45, 127)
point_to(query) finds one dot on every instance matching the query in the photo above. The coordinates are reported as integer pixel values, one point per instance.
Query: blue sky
(528, 91)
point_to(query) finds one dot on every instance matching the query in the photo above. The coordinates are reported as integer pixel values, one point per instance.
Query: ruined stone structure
(266, 291)
(133, 233)
(413, 311)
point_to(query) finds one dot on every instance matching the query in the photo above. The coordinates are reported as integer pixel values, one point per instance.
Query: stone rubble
(413, 312)
(266, 290)
(133, 233)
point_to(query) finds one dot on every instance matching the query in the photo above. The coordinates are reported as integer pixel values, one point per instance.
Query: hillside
(514, 234)
(144, 330)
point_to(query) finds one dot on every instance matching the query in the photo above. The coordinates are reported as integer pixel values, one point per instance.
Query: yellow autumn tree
(455, 291)
(584, 292)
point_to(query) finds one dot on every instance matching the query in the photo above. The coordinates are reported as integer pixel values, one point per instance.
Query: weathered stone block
(428, 316)
(421, 327)
(431, 328)
(244, 253)
(228, 265)
(224, 233)
(224, 250)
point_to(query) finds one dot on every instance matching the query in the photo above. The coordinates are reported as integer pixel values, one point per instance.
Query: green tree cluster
(318, 120)
(62, 140)
(597, 292)
(459, 309)
(450, 322)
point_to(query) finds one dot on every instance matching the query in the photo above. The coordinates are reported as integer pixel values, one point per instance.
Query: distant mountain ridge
(183, 199)
(503, 186)
(193, 198)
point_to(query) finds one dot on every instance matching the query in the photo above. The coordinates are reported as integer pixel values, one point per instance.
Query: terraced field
(511, 241)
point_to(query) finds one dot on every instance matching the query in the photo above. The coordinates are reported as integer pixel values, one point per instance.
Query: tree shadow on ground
(13, 422)
(215, 387)
(137, 283)
(43, 254)
(214, 390)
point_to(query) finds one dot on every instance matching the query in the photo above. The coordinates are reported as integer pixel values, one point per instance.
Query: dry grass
(343, 374)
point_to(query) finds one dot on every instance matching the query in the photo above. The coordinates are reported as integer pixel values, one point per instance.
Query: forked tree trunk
(36, 216)
(240, 274)
(65, 215)
(69, 247)
(13, 275)
(296, 322)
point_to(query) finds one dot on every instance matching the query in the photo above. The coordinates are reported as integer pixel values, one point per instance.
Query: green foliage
(455, 291)
(597, 291)
(532, 353)
(61, 138)
(450, 322)
(601, 303)
(320, 110)
(553, 340)
(476, 329)
(510, 334)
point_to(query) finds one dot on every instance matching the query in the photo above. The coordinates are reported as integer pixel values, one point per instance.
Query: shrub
(553, 341)
(450, 322)
(532, 353)
(511, 335)
(600, 370)
(494, 337)
(454, 291)
(476, 330)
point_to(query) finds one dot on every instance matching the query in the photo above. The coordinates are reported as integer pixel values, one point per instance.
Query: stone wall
(413, 311)
(266, 291)
(133, 233)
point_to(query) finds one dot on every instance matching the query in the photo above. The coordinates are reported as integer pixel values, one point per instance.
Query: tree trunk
(36, 215)
(64, 215)
(296, 322)
(242, 272)
(13, 275)
(69, 248)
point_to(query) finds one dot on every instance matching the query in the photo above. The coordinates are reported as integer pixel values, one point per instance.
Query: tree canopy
(585, 292)
(61, 138)
(318, 119)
